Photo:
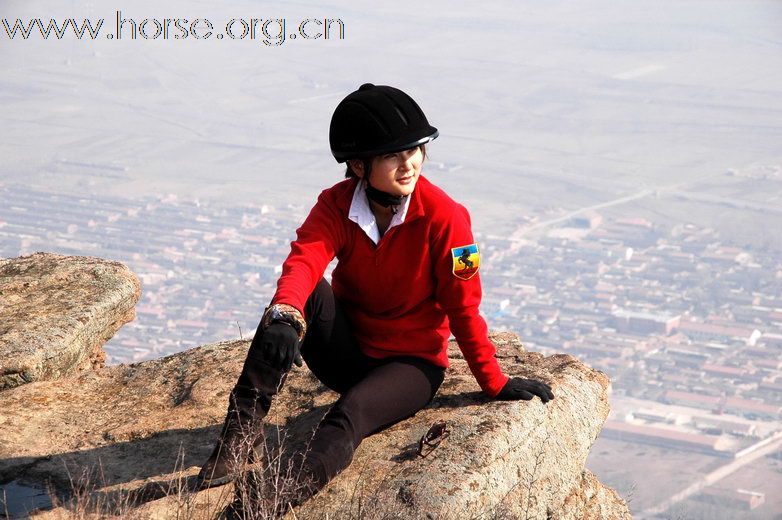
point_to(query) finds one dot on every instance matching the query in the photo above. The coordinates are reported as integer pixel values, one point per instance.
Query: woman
(406, 278)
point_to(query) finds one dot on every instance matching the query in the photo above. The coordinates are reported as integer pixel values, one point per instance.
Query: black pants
(374, 393)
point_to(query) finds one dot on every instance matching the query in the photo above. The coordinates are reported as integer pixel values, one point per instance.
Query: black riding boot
(242, 432)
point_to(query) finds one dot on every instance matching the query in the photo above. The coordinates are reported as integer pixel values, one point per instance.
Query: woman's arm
(460, 298)
(318, 241)
(457, 260)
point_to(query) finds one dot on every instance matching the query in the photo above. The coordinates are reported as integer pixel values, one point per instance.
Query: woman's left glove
(518, 388)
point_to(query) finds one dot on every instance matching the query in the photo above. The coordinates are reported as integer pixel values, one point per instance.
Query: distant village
(685, 325)
(672, 316)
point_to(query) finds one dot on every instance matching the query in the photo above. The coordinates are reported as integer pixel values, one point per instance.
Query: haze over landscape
(622, 164)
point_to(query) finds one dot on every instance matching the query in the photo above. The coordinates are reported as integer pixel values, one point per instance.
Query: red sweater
(401, 295)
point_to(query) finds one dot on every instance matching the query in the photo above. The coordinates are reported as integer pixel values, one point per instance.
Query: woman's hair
(368, 163)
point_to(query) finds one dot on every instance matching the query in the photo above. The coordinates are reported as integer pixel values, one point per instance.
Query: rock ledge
(56, 312)
(149, 426)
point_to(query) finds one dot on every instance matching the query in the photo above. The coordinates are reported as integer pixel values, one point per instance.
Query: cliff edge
(56, 312)
(129, 439)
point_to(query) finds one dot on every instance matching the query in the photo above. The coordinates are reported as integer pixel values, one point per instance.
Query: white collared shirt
(361, 213)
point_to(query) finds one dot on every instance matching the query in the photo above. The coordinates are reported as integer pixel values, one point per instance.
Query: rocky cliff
(56, 312)
(129, 439)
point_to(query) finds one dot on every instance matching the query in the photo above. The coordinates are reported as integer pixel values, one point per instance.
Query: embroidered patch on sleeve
(466, 261)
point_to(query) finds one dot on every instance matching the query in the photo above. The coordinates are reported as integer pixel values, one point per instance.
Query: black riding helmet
(377, 119)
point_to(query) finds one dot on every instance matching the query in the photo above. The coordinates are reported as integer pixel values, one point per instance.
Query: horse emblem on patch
(466, 261)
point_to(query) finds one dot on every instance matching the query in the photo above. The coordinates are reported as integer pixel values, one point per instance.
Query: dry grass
(269, 489)
(266, 489)
(4, 501)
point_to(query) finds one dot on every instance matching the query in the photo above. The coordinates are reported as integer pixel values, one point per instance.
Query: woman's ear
(357, 165)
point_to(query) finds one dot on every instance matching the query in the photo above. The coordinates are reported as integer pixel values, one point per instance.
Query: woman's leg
(329, 348)
(389, 393)
(331, 353)
(242, 431)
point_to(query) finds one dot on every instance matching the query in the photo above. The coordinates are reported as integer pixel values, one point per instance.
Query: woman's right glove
(518, 388)
(280, 346)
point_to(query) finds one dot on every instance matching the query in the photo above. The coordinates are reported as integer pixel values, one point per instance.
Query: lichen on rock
(56, 312)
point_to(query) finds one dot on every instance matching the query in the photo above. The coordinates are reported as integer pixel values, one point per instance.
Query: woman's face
(395, 173)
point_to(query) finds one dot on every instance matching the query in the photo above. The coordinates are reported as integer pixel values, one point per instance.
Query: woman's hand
(518, 388)
(281, 346)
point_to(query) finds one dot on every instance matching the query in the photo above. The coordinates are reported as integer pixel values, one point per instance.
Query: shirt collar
(361, 213)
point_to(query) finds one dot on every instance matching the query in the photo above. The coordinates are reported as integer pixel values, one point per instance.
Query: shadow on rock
(127, 474)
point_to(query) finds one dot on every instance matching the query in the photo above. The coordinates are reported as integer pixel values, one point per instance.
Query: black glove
(518, 388)
(280, 346)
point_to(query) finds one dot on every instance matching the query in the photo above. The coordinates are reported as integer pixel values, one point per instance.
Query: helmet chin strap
(383, 198)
